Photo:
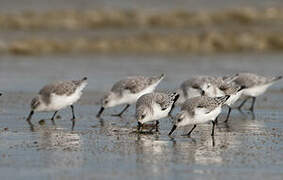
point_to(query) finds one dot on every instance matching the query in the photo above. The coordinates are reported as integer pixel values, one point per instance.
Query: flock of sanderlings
(200, 98)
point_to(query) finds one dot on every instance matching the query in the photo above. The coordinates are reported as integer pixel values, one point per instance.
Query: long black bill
(30, 115)
(29, 122)
(139, 126)
(202, 92)
(172, 130)
(100, 112)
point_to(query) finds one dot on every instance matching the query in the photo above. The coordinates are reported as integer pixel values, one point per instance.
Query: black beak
(30, 115)
(100, 112)
(202, 92)
(139, 126)
(28, 120)
(172, 130)
(0, 94)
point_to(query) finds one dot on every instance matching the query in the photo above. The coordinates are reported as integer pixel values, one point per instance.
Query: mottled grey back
(208, 103)
(134, 84)
(163, 99)
(59, 88)
(197, 81)
(250, 80)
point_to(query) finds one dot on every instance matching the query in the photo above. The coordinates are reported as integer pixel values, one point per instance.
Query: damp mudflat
(110, 148)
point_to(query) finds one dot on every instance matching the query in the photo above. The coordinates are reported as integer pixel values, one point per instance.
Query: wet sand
(109, 148)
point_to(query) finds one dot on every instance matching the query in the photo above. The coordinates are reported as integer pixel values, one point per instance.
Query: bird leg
(253, 104)
(192, 130)
(120, 114)
(242, 104)
(213, 125)
(52, 119)
(74, 117)
(228, 115)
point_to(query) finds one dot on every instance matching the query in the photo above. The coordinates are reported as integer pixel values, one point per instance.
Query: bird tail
(156, 79)
(230, 78)
(276, 78)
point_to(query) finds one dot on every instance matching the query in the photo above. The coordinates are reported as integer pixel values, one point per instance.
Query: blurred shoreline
(133, 31)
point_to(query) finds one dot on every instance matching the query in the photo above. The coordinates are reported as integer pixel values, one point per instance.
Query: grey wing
(59, 88)
(250, 80)
(209, 103)
(135, 85)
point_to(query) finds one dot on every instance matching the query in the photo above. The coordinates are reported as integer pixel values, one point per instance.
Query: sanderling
(235, 93)
(127, 91)
(203, 85)
(56, 96)
(255, 86)
(154, 106)
(199, 110)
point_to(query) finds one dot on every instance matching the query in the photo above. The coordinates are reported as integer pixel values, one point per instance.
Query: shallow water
(109, 148)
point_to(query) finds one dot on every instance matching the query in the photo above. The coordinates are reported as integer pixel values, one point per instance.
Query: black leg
(228, 115)
(120, 114)
(253, 104)
(216, 120)
(189, 133)
(100, 112)
(242, 104)
(139, 128)
(156, 126)
(212, 131)
(213, 141)
(52, 119)
(74, 117)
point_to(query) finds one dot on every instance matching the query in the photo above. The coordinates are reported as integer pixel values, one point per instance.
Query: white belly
(58, 102)
(256, 91)
(201, 117)
(130, 98)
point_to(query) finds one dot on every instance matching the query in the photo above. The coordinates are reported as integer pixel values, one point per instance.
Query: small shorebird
(235, 93)
(255, 86)
(212, 86)
(127, 91)
(203, 85)
(154, 106)
(199, 110)
(56, 96)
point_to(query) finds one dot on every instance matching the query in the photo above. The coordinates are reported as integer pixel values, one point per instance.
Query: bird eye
(106, 101)
(179, 120)
(143, 116)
